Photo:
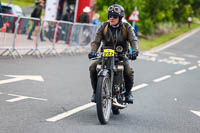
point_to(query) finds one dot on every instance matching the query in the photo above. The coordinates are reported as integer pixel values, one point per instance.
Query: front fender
(103, 73)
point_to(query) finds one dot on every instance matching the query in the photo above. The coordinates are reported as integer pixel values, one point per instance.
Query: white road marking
(150, 54)
(139, 87)
(17, 99)
(184, 63)
(173, 60)
(196, 112)
(192, 68)
(190, 56)
(169, 61)
(199, 61)
(16, 78)
(69, 113)
(1, 93)
(148, 58)
(199, 64)
(86, 106)
(177, 58)
(169, 53)
(162, 78)
(23, 97)
(180, 72)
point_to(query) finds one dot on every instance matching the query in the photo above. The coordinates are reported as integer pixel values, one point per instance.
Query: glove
(92, 55)
(133, 55)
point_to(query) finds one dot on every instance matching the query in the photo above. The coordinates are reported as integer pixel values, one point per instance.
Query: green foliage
(147, 27)
(103, 14)
(21, 3)
(152, 12)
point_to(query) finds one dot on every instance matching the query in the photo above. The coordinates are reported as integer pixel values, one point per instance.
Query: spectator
(65, 28)
(37, 12)
(1, 20)
(68, 15)
(84, 17)
(95, 19)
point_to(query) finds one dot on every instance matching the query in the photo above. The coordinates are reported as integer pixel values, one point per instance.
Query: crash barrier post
(81, 36)
(46, 37)
(10, 28)
(63, 36)
(35, 51)
(50, 29)
(53, 50)
(28, 35)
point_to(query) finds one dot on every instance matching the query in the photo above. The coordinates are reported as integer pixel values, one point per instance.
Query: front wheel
(103, 99)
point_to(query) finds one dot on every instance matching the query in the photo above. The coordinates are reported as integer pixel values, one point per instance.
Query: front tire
(103, 99)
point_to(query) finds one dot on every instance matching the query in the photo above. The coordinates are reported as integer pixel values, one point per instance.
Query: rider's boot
(129, 97)
(93, 77)
(93, 98)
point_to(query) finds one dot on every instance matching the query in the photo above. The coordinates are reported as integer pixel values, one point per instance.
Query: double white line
(89, 105)
(84, 107)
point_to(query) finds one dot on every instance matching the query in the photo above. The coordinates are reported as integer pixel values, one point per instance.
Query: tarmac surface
(166, 93)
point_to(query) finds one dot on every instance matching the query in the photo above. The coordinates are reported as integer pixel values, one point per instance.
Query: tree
(152, 12)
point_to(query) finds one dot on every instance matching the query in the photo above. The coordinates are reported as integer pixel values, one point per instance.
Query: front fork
(105, 72)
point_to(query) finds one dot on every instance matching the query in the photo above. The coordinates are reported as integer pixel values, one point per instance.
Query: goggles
(115, 9)
(113, 16)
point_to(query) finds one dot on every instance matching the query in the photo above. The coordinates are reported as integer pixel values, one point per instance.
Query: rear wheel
(103, 99)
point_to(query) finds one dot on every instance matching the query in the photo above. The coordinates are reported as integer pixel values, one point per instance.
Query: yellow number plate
(108, 52)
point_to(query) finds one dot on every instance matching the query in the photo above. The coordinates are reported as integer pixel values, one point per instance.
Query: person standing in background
(84, 17)
(95, 19)
(65, 27)
(68, 15)
(37, 12)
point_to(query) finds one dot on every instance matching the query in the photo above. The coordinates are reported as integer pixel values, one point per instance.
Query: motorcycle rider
(115, 36)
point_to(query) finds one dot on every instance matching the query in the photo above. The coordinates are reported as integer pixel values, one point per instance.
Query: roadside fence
(30, 36)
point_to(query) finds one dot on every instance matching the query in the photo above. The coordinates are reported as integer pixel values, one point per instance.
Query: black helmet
(116, 10)
(68, 8)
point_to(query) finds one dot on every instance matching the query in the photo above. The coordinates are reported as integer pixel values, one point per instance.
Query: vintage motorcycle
(110, 92)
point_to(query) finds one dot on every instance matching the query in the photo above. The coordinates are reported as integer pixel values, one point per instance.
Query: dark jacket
(68, 17)
(1, 20)
(83, 18)
(114, 36)
(37, 12)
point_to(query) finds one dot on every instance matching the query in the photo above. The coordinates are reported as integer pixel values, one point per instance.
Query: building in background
(51, 7)
(76, 5)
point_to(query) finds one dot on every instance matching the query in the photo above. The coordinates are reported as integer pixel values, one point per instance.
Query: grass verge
(21, 3)
(149, 44)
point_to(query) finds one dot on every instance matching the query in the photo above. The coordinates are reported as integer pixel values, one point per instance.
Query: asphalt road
(166, 94)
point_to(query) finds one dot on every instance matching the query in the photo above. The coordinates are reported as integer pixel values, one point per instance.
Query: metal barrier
(28, 35)
(31, 36)
(8, 35)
